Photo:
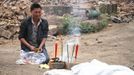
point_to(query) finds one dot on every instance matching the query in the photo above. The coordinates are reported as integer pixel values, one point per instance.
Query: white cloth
(58, 72)
(95, 67)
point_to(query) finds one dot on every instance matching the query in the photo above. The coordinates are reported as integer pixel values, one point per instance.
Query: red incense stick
(56, 47)
(76, 52)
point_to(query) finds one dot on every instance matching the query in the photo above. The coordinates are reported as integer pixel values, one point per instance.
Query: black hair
(35, 5)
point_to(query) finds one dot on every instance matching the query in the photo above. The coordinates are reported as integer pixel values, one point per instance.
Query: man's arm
(22, 34)
(42, 43)
(27, 44)
(46, 29)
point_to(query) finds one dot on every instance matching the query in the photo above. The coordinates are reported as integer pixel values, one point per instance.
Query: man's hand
(32, 48)
(40, 48)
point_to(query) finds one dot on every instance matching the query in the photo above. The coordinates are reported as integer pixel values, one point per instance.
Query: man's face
(36, 13)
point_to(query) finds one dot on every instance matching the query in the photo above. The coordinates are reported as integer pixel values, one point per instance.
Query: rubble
(12, 12)
(125, 12)
(121, 11)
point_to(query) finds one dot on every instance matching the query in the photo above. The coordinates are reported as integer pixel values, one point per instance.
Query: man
(34, 31)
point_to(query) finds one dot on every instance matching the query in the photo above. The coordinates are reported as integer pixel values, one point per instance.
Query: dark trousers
(47, 56)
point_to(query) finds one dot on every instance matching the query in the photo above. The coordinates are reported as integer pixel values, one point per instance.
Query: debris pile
(121, 11)
(12, 12)
(125, 12)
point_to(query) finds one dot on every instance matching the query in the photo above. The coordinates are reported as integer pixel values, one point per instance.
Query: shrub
(68, 24)
(85, 27)
(88, 27)
(102, 24)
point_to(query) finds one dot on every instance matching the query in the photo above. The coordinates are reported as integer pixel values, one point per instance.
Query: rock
(6, 34)
(16, 10)
(3, 23)
(2, 42)
(116, 19)
(5, 5)
(110, 25)
(21, 17)
(99, 41)
(115, 45)
(13, 7)
(13, 29)
(8, 31)
(86, 44)
(23, 7)
(14, 36)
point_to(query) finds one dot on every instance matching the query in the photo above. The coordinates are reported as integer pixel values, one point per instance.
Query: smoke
(73, 40)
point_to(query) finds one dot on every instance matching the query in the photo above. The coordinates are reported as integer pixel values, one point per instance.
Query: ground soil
(113, 45)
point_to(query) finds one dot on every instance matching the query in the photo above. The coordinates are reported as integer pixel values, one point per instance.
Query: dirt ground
(113, 45)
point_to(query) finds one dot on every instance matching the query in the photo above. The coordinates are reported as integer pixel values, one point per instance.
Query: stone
(6, 34)
(23, 7)
(110, 25)
(13, 7)
(3, 23)
(21, 17)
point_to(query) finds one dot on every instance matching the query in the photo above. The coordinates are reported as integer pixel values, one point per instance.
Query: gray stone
(21, 17)
(6, 34)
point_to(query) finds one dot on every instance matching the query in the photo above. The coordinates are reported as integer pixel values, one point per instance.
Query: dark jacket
(26, 32)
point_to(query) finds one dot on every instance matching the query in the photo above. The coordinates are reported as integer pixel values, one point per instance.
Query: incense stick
(72, 53)
(68, 53)
(76, 52)
(56, 46)
(61, 49)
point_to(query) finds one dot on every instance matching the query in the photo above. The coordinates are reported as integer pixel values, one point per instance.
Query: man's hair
(35, 5)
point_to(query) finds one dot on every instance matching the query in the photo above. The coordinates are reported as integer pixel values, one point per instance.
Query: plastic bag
(31, 58)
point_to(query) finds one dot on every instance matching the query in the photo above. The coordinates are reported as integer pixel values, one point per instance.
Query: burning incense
(56, 47)
(68, 53)
(61, 44)
(61, 49)
(73, 52)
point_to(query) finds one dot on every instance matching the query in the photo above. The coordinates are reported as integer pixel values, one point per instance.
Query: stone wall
(57, 10)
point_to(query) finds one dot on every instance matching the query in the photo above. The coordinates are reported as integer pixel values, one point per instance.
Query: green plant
(85, 27)
(68, 23)
(102, 24)
(88, 27)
